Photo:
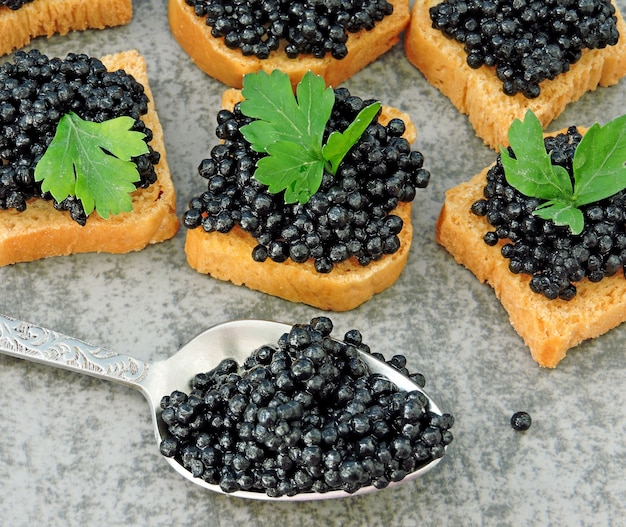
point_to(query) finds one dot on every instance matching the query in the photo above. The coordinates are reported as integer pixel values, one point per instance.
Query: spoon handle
(28, 341)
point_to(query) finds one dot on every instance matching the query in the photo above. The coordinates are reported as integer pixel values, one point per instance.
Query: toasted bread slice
(229, 65)
(47, 17)
(548, 327)
(349, 284)
(478, 92)
(41, 230)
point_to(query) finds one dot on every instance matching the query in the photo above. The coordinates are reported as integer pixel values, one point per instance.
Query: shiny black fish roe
(35, 92)
(349, 216)
(527, 41)
(554, 257)
(312, 27)
(14, 4)
(303, 415)
(521, 421)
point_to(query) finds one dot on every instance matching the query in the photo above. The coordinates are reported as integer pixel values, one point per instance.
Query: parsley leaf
(600, 162)
(279, 116)
(562, 213)
(91, 161)
(290, 130)
(531, 171)
(290, 167)
(339, 143)
(599, 169)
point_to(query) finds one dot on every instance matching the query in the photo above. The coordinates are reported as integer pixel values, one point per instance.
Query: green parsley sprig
(92, 161)
(289, 128)
(599, 169)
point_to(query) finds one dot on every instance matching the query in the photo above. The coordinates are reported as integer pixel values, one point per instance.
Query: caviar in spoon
(310, 414)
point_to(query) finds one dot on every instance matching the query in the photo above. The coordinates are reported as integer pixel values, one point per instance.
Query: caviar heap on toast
(310, 27)
(560, 242)
(334, 39)
(526, 42)
(77, 137)
(304, 414)
(545, 225)
(35, 94)
(496, 59)
(311, 225)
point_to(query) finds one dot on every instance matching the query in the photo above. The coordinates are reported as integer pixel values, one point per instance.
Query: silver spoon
(235, 340)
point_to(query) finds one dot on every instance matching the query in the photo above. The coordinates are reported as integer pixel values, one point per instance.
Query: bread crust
(229, 65)
(42, 231)
(548, 327)
(228, 257)
(478, 93)
(47, 17)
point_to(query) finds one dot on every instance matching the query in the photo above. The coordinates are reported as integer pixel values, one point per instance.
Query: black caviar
(521, 421)
(554, 257)
(35, 92)
(314, 27)
(14, 4)
(349, 216)
(304, 415)
(527, 41)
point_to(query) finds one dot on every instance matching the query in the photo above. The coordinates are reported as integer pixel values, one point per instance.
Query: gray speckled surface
(75, 450)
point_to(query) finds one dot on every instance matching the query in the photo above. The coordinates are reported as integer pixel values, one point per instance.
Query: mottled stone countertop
(76, 450)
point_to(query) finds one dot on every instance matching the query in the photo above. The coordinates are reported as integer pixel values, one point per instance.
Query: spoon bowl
(236, 340)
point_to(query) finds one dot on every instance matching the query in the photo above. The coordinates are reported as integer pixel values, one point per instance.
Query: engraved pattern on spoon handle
(31, 342)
